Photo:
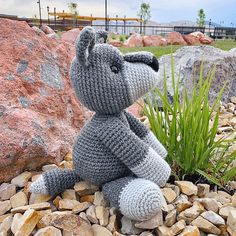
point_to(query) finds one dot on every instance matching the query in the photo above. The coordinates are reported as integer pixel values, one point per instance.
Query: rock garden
(173, 38)
(40, 118)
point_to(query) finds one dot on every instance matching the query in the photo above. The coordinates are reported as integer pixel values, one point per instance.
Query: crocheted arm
(140, 158)
(145, 134)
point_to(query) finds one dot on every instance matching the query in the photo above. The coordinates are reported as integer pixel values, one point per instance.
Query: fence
(227, 32)
(150, 29)
(129, 27)
(214, 32)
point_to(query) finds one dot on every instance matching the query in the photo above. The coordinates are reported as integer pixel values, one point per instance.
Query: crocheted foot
(54, 181)
(39, 186)
(138, 199)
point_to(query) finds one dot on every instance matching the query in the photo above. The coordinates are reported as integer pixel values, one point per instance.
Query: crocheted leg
(136, 198)
(54, 181)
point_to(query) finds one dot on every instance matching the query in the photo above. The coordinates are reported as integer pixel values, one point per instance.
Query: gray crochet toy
(113, 150)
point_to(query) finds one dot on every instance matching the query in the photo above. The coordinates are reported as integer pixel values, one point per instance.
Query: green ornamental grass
(163, 50)
(184, 128)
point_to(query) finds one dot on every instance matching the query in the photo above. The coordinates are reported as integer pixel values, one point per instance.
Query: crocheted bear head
(106, 81)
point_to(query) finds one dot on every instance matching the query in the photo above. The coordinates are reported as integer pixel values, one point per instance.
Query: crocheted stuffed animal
(113, 150)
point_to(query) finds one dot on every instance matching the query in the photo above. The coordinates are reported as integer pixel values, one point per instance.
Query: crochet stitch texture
(113, 150)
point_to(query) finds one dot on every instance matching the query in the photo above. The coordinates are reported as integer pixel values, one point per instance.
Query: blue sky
(161, 10)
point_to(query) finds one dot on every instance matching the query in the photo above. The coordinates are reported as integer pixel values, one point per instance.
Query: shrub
(183, 127)
(122, 39)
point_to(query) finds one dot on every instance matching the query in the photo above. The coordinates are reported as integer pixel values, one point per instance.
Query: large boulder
(187, 62)
(46, 29)
(233, 50)
(135, 40)
(53, 36)
(175, 38)
(37, 30)
(191, 40)
(197, 34)
(39, 113)
(154, 40)
(71, 35)
(115, 43)
(204, 39)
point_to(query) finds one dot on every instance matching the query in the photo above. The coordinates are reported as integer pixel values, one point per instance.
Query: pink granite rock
(175, 38)
(135, 40)
(70, 35)
(47, 30)
(204, 39)
(191, 40)
(39, 113)
(154, 40)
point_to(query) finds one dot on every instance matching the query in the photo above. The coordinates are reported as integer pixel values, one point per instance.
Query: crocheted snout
(154, 64)
(141, 77)
(143, 57)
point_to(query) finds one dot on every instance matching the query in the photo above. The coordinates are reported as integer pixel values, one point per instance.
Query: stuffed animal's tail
(54, 181)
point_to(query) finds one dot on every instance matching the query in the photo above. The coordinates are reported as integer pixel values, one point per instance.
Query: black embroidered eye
(114, 69)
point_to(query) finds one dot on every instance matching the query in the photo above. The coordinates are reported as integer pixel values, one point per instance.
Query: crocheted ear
(84, 44)
(101, 36)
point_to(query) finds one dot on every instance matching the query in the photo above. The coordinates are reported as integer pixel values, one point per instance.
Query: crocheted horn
(84, 44)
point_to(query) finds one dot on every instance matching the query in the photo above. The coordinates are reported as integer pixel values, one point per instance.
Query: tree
(144, 13)
(73, 10)
(201, 18)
